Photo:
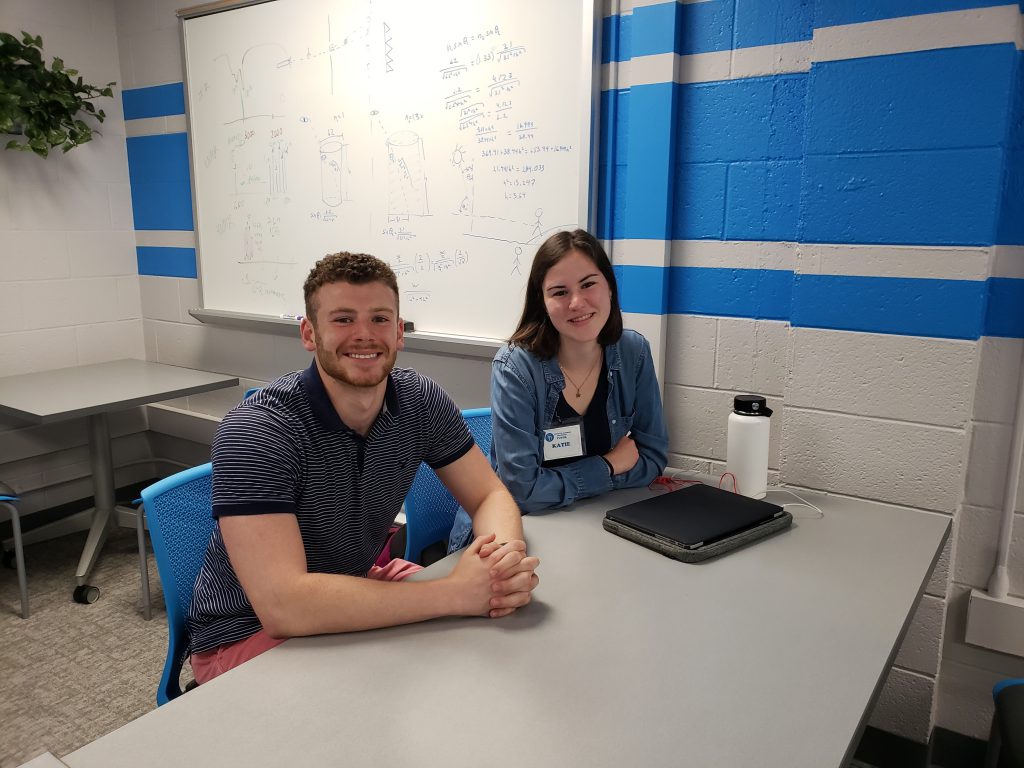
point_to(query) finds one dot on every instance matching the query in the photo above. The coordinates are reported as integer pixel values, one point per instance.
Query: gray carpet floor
(71, 673)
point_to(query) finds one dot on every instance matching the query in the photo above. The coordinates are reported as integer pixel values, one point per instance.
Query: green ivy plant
(46, 104)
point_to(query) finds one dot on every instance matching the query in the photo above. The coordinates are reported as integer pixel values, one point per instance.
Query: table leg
(104, 517)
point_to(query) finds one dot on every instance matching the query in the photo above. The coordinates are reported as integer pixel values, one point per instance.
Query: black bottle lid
(751, 405)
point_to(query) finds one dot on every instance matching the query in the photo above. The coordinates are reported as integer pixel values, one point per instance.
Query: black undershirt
(595, 421)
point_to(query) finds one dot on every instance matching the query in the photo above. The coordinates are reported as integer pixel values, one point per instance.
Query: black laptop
(696, 522)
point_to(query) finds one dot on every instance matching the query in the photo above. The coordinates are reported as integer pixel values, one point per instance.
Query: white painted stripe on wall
(615, 75)
(734, 254)
(922, 32)
(639, 253)
(719, 65)
(146, 126)
(654, 328)
(161, 238)
(1008, 261)
(646, 70)
(704, 67)
(942, 262)
(775, 59)
(152, 126)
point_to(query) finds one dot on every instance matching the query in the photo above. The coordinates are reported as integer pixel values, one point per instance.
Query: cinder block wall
(821, 202)
(69, 292)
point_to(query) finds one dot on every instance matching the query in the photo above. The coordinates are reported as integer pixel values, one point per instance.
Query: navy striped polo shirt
(285, 449)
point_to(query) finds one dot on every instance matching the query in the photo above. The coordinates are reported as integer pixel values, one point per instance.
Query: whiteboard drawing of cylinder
(332, 178)
(407, 179)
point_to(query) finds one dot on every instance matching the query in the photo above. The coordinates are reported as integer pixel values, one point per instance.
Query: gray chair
(8, 499)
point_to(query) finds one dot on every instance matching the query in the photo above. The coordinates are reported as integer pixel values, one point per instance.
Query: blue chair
(429, 508)
(7, 502)
(140, 533)
(179, 512)
(1006, 742)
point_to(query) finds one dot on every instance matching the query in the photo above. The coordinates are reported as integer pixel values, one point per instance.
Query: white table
(93, 391)
(771, 655)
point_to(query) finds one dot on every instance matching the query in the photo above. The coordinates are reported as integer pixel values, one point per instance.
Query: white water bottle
(747, 445)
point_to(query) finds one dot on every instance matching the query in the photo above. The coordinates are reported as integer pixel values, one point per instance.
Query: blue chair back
(429, 508)
(179, 513)
(251, 391)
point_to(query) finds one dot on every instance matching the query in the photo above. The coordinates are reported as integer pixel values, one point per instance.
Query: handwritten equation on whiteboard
(447, 143)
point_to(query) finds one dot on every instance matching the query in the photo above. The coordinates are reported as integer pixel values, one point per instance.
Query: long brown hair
(535, 331)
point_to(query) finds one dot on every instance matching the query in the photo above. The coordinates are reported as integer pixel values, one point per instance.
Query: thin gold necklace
(580, 386)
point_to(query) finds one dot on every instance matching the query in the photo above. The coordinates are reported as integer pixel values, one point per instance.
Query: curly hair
(345, 267)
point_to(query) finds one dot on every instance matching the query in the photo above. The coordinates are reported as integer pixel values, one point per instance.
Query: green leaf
(49, 102)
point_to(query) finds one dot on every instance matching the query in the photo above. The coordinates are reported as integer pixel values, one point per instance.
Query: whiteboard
(448, 139)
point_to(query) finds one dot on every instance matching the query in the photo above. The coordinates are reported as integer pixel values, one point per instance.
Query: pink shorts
(206, 665)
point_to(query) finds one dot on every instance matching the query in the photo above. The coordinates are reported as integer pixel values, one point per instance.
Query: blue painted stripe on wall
(625, 37)
(949, 98)
(948, 309)
(830, 13)
(1005, 315)
(1011, 216)
(947, 197)
(166, 262)
(610, 39)
(761, 23)
(642, 289)
(755, 293)
(654, 29)
(649, 152)
(154, 101)
(762, 201)
(698, 202)
(160, 186)
(705, 27)
(757, 118)
(161, 157)
(606, 162)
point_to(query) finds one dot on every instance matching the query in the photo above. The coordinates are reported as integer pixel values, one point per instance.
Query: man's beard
(334, 366)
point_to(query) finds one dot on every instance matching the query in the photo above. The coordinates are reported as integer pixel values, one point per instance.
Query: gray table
(45, 760)
(93, 391)
(768, 656)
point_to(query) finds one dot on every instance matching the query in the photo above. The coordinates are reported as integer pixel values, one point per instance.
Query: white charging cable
(802, 502)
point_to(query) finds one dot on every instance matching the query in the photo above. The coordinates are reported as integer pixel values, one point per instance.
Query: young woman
(575, 403)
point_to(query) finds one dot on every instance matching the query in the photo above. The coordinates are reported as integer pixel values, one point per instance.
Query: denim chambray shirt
(524, 393)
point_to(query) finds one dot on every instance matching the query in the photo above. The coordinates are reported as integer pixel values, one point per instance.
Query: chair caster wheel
(86, 594)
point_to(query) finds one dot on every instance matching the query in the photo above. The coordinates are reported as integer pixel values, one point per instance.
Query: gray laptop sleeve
(674, 550)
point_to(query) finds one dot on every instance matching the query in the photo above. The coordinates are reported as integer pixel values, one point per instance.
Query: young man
(309, 474)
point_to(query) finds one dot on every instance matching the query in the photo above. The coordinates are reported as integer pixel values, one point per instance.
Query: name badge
(564, 441)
